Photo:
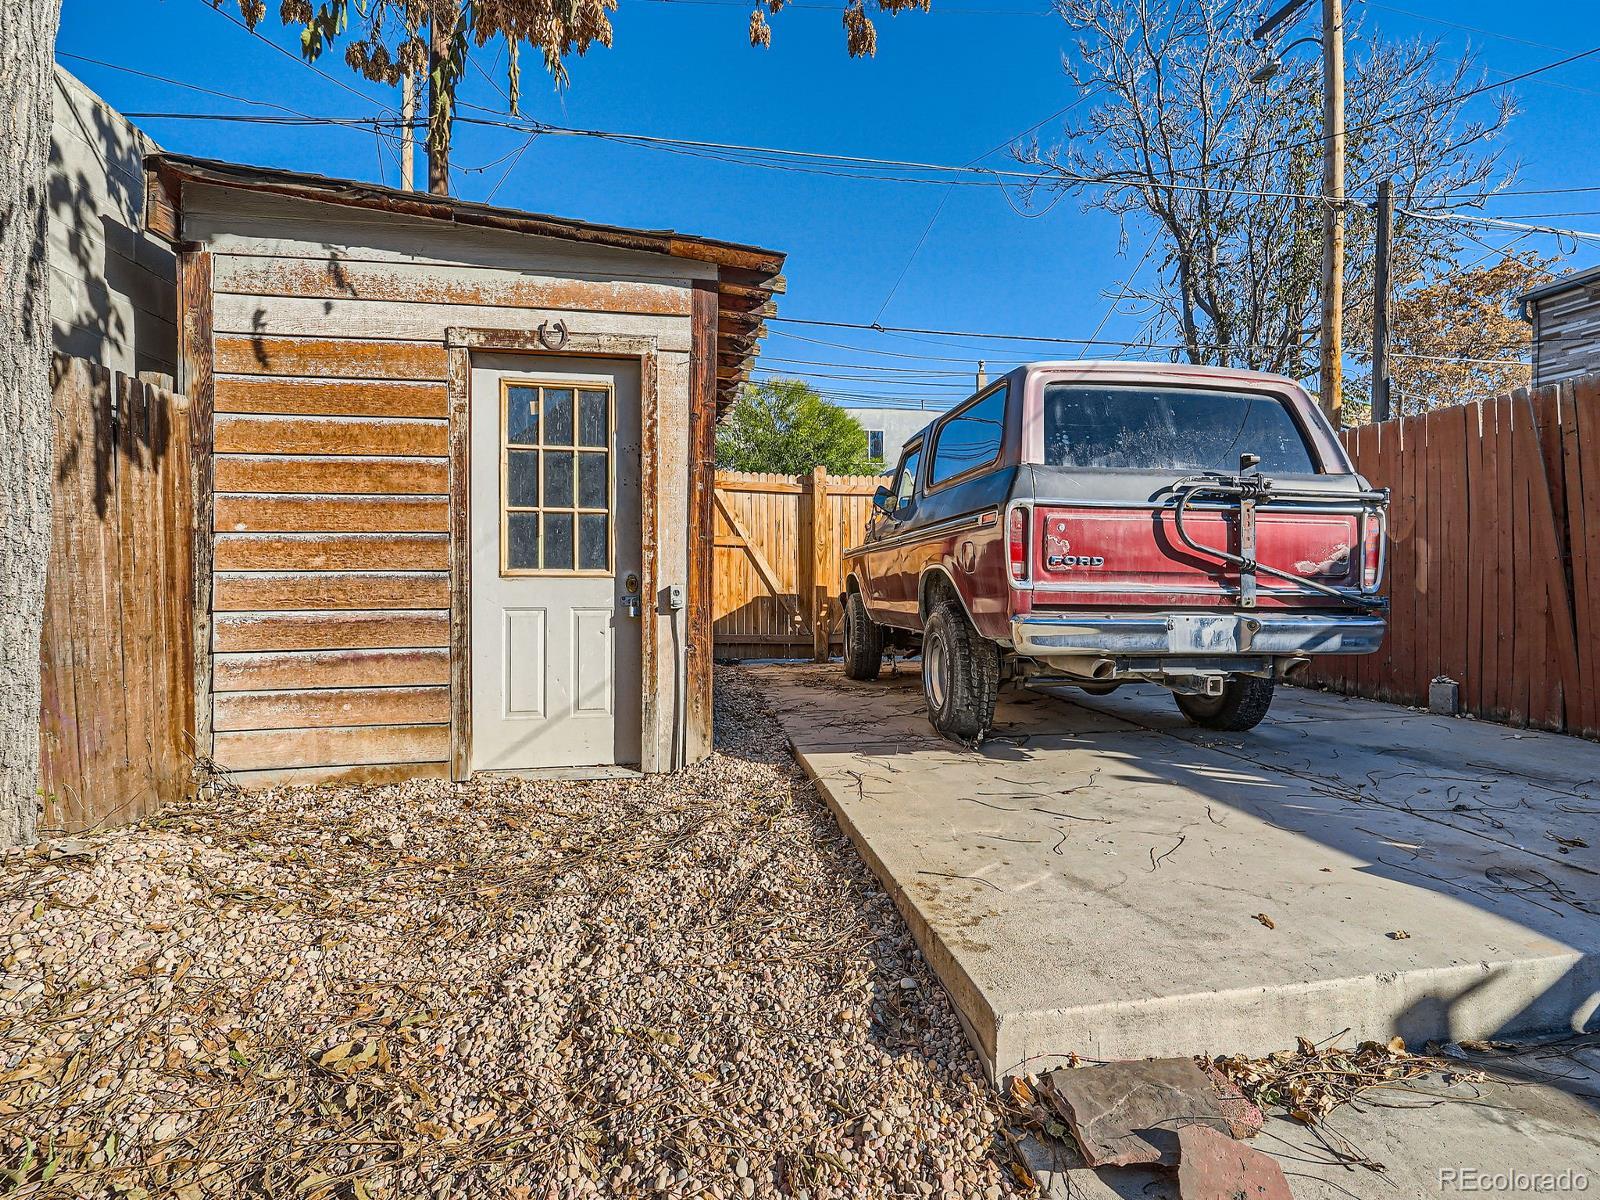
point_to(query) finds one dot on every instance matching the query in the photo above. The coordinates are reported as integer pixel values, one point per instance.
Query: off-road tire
(960, 674)
(1244, 701)
(863, 640)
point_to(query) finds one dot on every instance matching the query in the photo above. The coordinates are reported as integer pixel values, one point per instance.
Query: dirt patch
(687, 985)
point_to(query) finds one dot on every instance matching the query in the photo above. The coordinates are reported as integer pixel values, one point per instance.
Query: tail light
(1371, 551)
(1017, 542)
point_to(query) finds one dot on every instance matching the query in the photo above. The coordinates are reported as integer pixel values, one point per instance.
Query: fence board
(1494, 575)
(117, 711)
(778, 543)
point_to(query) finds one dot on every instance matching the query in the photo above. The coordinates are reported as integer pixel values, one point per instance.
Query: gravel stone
(680, 985)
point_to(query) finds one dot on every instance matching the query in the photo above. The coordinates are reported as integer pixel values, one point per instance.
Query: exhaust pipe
(1085, 666)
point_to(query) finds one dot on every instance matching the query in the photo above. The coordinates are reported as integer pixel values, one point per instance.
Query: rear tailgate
(1110, 556)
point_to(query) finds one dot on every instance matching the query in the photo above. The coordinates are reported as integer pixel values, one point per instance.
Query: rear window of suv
(1135, 428)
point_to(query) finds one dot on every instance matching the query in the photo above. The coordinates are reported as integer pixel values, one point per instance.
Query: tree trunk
(438, 119)
(27, 58)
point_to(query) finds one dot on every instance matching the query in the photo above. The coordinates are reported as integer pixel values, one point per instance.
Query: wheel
(960, 674)
(863, 640)
(1098, 689)
(1244, 701)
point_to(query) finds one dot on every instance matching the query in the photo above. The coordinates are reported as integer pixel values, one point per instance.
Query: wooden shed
(454, 469)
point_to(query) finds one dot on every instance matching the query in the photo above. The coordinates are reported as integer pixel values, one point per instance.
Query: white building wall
(896, 425)
(113, 291)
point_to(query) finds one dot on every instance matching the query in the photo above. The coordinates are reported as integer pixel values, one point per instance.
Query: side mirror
(881, 499)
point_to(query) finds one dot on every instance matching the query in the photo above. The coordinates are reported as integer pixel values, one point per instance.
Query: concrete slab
(1094, 879)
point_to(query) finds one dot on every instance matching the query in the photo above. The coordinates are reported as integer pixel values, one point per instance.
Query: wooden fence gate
(117, 713)
(778, 568)
(1494, 568)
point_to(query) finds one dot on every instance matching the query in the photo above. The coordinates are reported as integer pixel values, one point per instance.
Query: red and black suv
(1090, 524)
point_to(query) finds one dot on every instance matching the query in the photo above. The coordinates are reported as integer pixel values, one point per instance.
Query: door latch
(630, 595)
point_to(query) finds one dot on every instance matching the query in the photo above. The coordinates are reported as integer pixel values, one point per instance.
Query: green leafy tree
(782, 425)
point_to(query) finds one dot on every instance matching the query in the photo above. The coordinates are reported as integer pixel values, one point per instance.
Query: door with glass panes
(555, 562)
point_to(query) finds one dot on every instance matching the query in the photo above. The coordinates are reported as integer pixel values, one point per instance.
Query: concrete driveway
(1101, 879)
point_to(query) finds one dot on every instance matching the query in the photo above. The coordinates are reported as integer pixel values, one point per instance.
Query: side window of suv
(905, 480)
(970, 437)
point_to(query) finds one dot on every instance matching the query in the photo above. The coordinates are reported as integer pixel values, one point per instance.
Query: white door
(555, 556)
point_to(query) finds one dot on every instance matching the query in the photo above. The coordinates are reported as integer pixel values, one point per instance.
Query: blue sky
(945, 87)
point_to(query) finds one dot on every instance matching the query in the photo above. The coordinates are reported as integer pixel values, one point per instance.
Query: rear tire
(960, 674)
(863, 640)
(1244, 702)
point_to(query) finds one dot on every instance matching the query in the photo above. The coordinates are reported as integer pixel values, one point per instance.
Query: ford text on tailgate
(1091, 524)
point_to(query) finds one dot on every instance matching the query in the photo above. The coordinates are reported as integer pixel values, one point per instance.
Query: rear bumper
(1255, 633)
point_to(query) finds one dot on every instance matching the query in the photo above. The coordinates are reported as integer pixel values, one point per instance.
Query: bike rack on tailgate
(1252, 490)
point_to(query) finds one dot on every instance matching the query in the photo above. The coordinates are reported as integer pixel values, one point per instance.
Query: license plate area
(1200, 634)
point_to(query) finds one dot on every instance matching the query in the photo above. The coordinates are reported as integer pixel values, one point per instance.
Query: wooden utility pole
(408, 135)
(1332, 385)
(438, 123)
(1380, 301)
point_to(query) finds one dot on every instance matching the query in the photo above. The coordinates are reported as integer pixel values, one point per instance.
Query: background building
(1565, 315)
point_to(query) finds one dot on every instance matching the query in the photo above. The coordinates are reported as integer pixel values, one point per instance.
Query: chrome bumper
(1198, 633)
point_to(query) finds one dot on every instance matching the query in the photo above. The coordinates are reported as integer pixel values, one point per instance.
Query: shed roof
(747, 276)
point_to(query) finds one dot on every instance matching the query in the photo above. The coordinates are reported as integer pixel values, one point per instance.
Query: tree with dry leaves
(389, 38)
(1457, 336)
(1223, 171)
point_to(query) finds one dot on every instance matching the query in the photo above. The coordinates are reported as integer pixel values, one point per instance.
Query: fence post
(818, 492)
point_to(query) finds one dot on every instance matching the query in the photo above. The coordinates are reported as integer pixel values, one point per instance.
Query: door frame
(460, 343)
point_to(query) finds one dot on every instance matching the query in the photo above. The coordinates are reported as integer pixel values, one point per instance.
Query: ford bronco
(1091, 524)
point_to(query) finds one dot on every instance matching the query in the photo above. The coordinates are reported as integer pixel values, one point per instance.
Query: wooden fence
(1494, 568)
(778, 568)
(117, 646)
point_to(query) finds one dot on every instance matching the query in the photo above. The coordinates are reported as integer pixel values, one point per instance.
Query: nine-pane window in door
(555, 478)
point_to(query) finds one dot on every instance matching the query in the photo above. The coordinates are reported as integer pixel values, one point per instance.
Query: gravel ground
(683, 986)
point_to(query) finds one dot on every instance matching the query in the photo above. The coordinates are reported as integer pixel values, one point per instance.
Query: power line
(945, 199)
(1388, 119)
(193, 87)
(289, 54)
(813, 362)
(1041, 340)
(836, 161)
(839, 8)
(1498, 223)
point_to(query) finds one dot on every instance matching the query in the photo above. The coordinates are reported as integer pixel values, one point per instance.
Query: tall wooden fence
(1494, 569)
(779, 550)
(117, 646)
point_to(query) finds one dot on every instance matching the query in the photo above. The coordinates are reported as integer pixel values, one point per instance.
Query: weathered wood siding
(332, 513)
(115, 652)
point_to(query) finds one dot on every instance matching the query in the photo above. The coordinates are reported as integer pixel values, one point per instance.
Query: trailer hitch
(1250, 490)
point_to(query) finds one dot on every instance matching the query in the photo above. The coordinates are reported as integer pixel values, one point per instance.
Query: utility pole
(1332, 386)
(983, 376)
(1333, 144)
(1380, 301)
(408, 135)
